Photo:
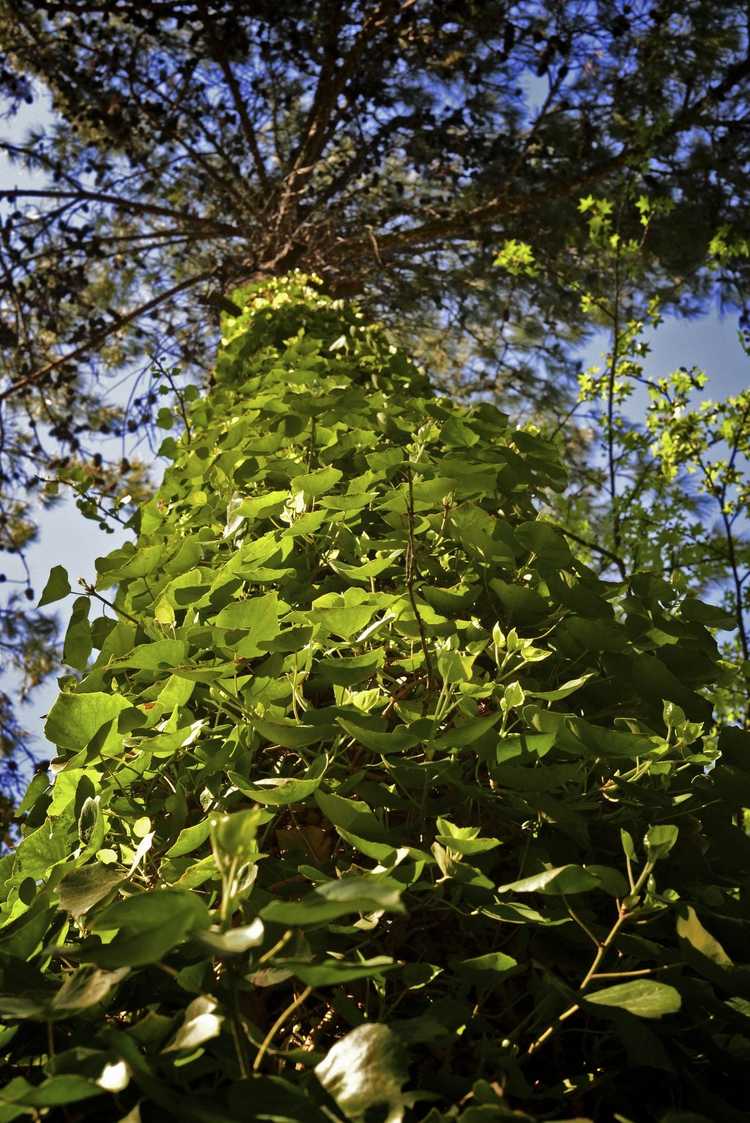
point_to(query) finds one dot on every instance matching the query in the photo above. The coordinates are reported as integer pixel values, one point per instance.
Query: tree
(388, 146)
(485, 871)
(667, 493)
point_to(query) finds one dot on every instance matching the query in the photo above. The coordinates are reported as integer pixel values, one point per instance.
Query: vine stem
(623, 913)
(611, 383)
(238, 1033)
(410, 563)
(178, 395)
(301, 997)
(91, 591)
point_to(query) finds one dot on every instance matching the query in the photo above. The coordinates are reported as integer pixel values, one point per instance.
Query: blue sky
(66, 538)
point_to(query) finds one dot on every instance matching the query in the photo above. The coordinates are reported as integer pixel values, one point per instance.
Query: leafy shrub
(375, 803)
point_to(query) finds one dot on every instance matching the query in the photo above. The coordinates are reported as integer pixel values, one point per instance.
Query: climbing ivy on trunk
(372, 801)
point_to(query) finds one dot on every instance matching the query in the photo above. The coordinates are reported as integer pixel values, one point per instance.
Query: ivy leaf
(365, 1069)
(83, 888)
(570, 879)
(658, 841)
(645, 998)
(200, 1024)
(78, 638)
(76, 718)
(690, 929)
(58, 586)
(337, 898)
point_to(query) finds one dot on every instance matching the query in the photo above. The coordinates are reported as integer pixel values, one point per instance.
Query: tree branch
(100, 336)
(126, 204)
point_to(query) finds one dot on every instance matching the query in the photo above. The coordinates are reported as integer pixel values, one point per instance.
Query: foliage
(668, 492)
(376, 802)
(389, 146)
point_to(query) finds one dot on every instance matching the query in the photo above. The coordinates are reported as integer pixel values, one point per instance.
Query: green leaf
(57, 1091)
(709, 614)
(336, 971)
(521, 604)
(346, 621)
(365, 1069)
(466, 733)
(337, 898)
(278, 791)
(143, 911)
(658, 841)
(595, 635)
(645, 998)
(353, 815)
(569, 879)
(606, 742)
(235, 834)
(486, 968)
(317, 482)
(546, 542)
(149, 925)
(76, 718)
(291, 734)
(87, 987)
(628, 845)
(455, 666)
(153, 656)
(200, 1023)
(263, 506)
(362, 574)
(350, 670)
(394, 741)
(58, 586)
(259, 616)
(563, 691)
(189, 839)
(78, 639)
(464, 840)
(690, 929)
(83, 888)
(273, 1098)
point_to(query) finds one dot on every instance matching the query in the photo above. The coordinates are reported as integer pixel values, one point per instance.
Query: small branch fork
(624, 911)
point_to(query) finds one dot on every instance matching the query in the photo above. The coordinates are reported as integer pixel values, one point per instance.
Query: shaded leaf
(367, 1067)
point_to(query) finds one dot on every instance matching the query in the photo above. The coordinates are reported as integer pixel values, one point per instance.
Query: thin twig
(100, 336)
(410, 561)
(584, 927)
(603, 946)
(277, 1026)
(110, 604)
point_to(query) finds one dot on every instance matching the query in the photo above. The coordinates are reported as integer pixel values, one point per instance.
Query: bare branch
(126, 204)
(100, 336)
